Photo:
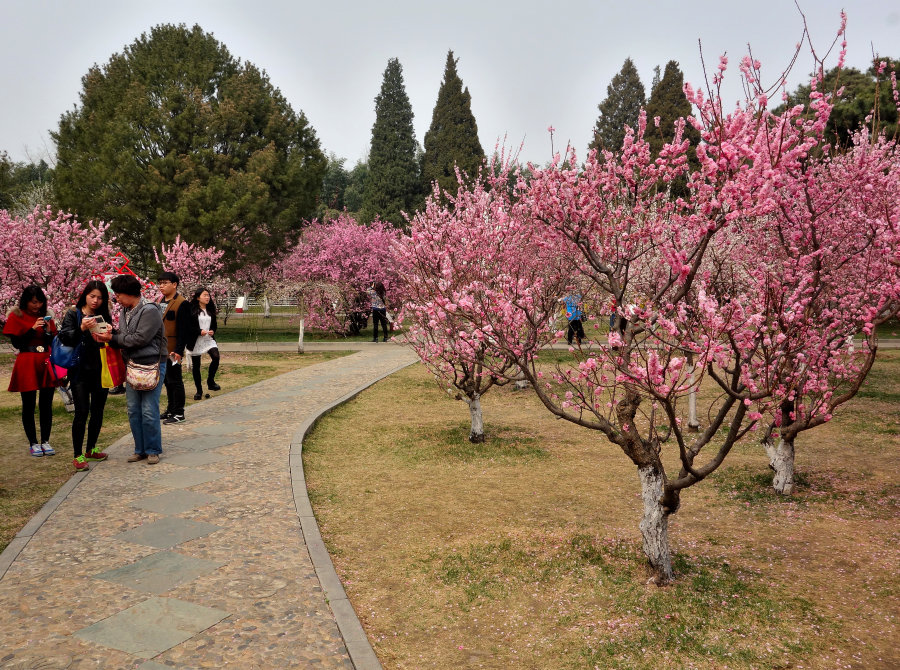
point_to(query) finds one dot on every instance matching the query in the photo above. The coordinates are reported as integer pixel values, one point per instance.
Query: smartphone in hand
(100, 325)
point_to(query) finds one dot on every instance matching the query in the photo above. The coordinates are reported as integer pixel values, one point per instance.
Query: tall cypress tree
(624, 99)
(668, 102)
(392, 186)
(452, 140)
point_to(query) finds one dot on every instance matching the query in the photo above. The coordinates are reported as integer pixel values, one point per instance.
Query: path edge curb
(362, 655)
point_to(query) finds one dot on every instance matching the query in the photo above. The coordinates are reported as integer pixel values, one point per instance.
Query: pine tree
(624, 99)
(668, 102)
(175, 136)
(393, 182)
(452, 140)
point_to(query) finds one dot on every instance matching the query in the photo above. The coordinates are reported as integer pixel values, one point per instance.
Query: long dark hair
(96, 285)
(379, 289)
(195, 302)
(33, 291)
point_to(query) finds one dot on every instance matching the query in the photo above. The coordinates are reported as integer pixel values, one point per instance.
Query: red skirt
(31, 372)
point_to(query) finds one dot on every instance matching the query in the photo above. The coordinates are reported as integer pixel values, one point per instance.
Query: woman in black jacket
(89, 395)
(200, 339)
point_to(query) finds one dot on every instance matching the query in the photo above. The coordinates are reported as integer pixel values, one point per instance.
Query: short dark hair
(127, 285)
(169, 276)
(33, 291)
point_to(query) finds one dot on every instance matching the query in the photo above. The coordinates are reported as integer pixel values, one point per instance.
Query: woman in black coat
(87, 391)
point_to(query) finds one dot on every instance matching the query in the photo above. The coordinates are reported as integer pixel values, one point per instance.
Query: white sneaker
(36, 450)
(47, 449)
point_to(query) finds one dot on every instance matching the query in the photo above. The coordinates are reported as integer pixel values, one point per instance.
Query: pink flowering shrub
(332, 265)
(55, 251)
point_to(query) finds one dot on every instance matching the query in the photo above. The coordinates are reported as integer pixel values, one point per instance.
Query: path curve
(196, 561)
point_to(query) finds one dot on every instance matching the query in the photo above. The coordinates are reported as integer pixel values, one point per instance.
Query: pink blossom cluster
(471, 261)
(332, 265)
(55, 251)
(195, 266)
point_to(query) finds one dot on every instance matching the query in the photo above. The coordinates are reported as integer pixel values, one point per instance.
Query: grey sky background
(528, 65)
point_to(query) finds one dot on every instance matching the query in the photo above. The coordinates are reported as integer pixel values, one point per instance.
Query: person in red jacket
(31, 328)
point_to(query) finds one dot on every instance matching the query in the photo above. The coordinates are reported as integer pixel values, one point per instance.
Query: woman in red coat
(31, 330)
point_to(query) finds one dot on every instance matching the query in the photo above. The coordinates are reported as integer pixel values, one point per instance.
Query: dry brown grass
(525, 552)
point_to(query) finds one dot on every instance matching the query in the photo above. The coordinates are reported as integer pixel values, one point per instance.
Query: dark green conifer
(624, 99)
(392, 186)
(452, 140)
(668, 102)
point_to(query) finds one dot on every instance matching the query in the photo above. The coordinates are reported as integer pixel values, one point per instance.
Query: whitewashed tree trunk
(476, 435)
(693, 423)
(267, 307)
(781, 459)
(300, 341)
(655, 525)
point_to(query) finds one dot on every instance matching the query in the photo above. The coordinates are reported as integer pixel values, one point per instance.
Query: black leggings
(29, 398)
(379, 315)
(213, 368)
(90, 399)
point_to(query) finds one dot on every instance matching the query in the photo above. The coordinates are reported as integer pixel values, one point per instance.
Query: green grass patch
(503, 444)
(280, 327)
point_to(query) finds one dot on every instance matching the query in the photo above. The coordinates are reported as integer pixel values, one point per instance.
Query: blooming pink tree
(660, 260)
(332, 265)
(467, 253)
(54, 251)
(827, 260)
(195, 266)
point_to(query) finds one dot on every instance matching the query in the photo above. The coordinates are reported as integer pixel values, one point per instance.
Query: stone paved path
(198, 562)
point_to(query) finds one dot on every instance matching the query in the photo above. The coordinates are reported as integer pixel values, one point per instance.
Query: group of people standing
(154, 336)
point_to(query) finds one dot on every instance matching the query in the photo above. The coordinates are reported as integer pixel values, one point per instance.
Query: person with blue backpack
(574, 313)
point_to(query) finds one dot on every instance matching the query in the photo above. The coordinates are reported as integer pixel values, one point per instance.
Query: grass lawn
(524, 552)
(26, 483)
(281, 326)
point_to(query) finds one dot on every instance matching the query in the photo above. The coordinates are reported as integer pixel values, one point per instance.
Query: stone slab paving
(200, 561)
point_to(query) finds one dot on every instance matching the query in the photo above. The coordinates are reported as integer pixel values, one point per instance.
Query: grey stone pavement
(210, 559)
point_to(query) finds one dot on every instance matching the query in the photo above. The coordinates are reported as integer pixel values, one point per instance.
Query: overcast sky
(527, 64)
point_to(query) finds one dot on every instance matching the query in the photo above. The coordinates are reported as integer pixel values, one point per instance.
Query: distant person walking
(91, 308)
(378, 296)
(30, 327)
(142, 339)
(200, 339)
(176, 314)
(574, 313)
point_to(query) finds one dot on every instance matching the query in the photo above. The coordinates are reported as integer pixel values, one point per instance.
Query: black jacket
(70, 334)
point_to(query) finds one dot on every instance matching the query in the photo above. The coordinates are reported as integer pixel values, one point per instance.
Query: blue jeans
(143, 416)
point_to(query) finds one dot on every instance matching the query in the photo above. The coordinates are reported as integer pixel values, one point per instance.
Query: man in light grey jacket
(142, 340)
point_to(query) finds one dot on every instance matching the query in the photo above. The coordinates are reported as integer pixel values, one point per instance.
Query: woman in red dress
(31, 329)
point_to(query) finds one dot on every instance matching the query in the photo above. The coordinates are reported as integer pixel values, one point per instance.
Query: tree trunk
(781, 460)
(476, 435)
(693, 423)
(300, 340)
(655, 525)
(267, 307)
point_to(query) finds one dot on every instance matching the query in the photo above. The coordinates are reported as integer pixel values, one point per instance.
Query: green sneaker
(95, 455)
(80, 464)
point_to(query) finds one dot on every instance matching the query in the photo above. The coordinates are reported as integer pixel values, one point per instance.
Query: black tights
(379, 316)
(29, 398)
(213, 367)
(90, 398)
